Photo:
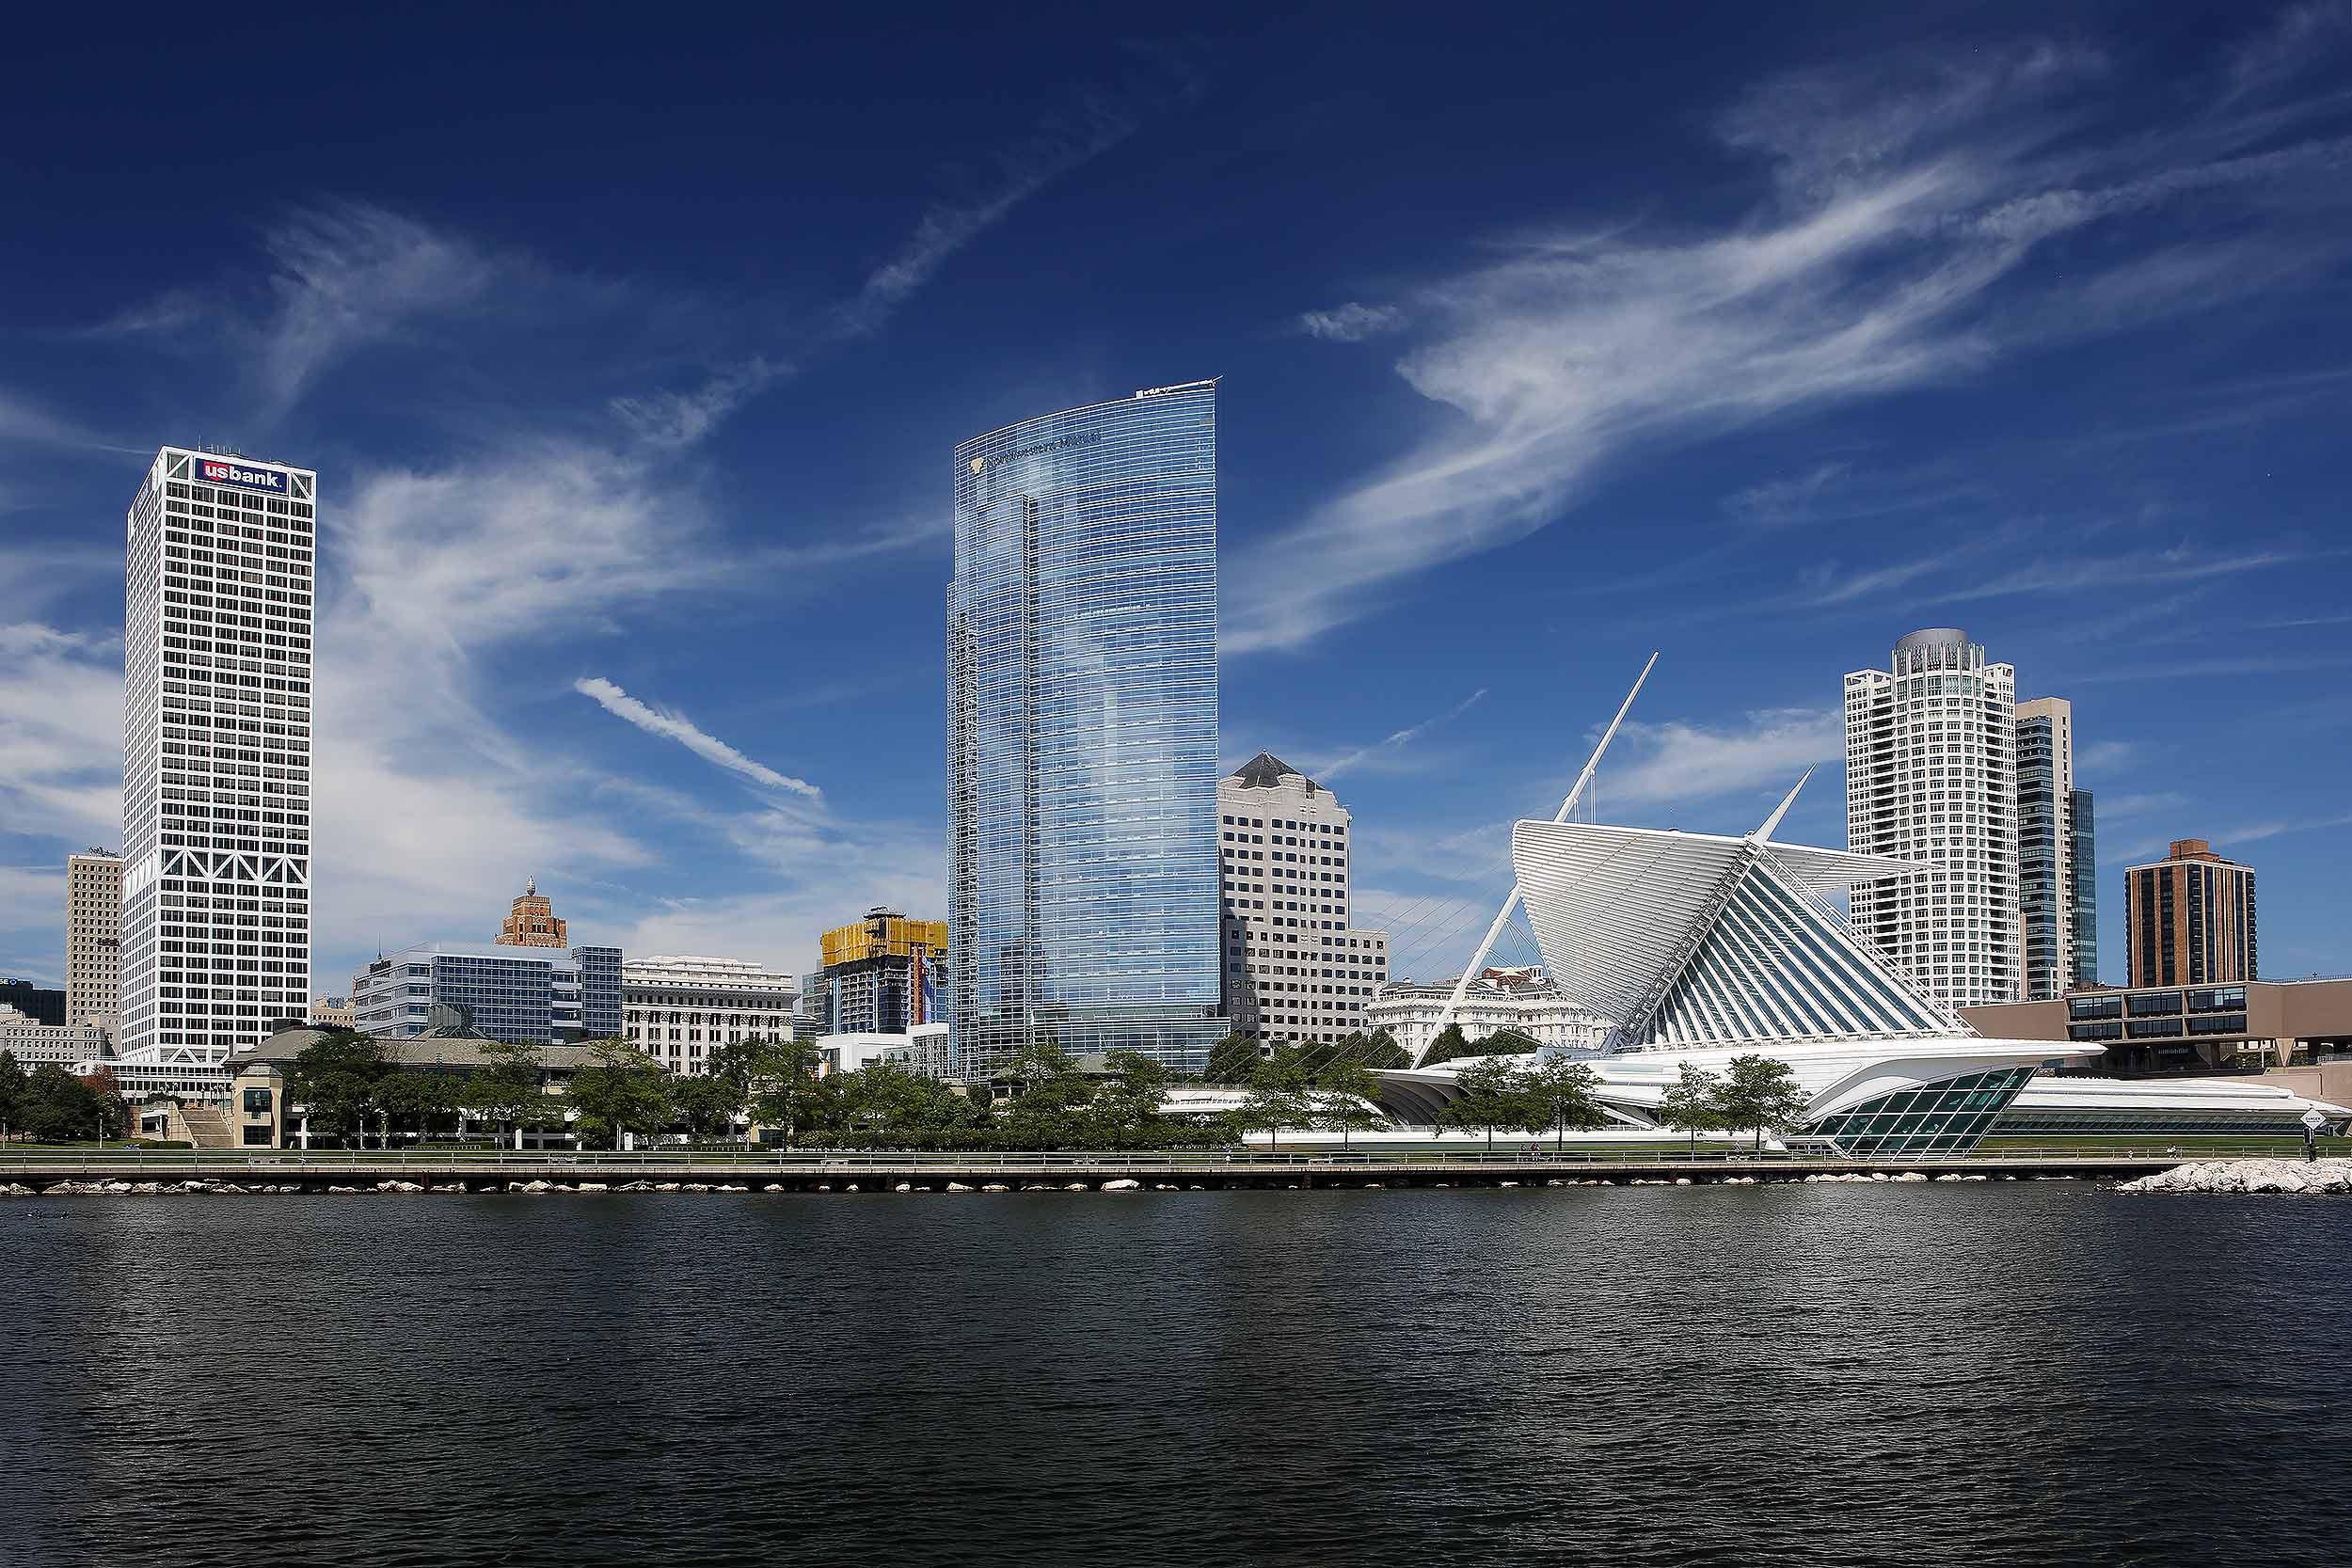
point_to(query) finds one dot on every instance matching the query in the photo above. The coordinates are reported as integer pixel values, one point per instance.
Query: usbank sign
(212, 471)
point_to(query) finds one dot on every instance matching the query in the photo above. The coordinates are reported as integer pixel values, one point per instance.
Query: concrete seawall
(354, 1173)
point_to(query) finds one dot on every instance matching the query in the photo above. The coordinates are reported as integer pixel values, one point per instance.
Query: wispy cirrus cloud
(338, 277)
(1679, 761)
(1908, 202)
(1964, 567)
(2279, 827)
(677, 727)
(2300, 37)
(1351, 323)
(61, 733)
(1085, 125)
(1401, 738)
(2110, 807)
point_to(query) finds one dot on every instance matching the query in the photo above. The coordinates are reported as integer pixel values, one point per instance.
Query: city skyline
(633, 559)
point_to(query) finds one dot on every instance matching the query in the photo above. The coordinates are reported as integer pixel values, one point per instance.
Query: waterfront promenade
(321, 1170)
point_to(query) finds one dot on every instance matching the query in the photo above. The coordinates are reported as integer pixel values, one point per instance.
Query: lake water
(2007, 1373)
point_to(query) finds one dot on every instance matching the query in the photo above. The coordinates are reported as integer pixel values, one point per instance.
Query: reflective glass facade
(2043, 861)
(2082, 821)
(1935, 1118)
(1082, 733)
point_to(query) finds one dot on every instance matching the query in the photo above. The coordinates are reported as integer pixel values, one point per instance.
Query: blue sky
(631, 361)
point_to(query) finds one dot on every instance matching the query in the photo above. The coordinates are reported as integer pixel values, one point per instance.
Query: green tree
(788, 1092)
(15, 1085)
(337, 1080)
(1494, 1094)
(1281, 1094)
(1127, 1105)
(1232, 1058)
(1346, 1096)
(884, 1103)
(1380, 1050)
(1761, 1092)
(114, 1112)
(1564, 1094)
(1451, 1043)
(1052, 1104)
(58, 1107)
(507, 1087)
(426, 1099)
(1695, 1104)
(619, 1090)
(708, 1104)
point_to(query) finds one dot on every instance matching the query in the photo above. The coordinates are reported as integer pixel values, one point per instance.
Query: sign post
(2312, 1122)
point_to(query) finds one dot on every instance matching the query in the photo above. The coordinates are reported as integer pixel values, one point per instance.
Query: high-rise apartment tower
(2082, 824)
(1931, 776)
(2188, 919)
(1295, 967)
(1082, 733)
(2046, 877)
(216, 756)
(93, 940)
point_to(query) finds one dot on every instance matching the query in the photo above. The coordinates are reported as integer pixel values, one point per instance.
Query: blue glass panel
(1082, 733)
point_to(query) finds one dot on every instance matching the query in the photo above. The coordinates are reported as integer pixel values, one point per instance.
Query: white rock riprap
(2249, 1176)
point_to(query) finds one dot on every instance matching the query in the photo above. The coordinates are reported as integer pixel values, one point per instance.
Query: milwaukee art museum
(1706, 947)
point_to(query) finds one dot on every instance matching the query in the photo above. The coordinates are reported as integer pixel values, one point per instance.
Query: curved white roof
(1698, 938)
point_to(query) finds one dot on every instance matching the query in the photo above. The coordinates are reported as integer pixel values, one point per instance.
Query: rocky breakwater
(2249, 1176)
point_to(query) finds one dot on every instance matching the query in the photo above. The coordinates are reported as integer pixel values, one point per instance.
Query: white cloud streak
(1679, 762)
(1350, 323)
(677, 727)
(1401, 738)
(1907, 198)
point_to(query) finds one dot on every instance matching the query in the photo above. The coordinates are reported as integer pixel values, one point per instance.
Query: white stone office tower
(93, 941)
(2047, 877)
(1295, 968)
(217, 757)
(1931, 776)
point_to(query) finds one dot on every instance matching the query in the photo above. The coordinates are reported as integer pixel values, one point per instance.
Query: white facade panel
(217, 619)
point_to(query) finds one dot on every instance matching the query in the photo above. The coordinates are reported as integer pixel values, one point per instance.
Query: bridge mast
(1470, 971)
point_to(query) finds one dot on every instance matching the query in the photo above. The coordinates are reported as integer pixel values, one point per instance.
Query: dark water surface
(2044, 1373)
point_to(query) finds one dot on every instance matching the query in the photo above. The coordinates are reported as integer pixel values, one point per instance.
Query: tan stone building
(533, 922)
(93, 940)
(1295, 967)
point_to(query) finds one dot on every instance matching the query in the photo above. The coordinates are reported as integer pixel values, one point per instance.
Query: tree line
(1758, 1093)
(48, 1104)
(352, 1092)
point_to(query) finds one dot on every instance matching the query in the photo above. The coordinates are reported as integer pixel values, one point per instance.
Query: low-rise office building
(539, 995)
(2149, 1031)
(923, 1050)
(263, 1112)
(678, 1008)
(76, 1048)
(42, 1003)
(1524, 998)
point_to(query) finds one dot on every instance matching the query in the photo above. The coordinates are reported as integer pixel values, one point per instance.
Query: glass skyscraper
(1082, 733)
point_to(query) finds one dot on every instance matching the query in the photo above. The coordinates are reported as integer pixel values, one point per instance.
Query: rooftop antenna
(1470, 971)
